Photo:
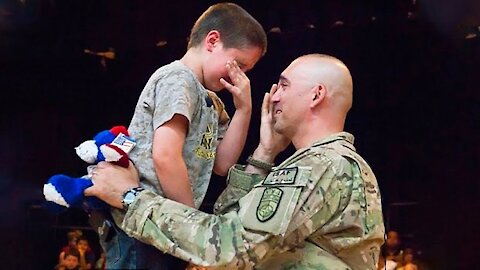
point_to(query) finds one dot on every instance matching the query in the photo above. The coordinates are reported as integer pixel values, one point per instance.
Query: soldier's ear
(318, 94)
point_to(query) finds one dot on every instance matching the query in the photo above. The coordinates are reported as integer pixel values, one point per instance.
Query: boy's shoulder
(174, 77)
(174, 71)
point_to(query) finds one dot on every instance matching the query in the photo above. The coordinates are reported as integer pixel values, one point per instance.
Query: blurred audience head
(71, 258)
(393, 240)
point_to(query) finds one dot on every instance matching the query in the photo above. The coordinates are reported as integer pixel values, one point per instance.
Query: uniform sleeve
(265, 224)
(185, 232)
(174, 94)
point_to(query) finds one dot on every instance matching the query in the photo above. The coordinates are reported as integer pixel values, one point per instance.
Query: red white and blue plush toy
(62, 191)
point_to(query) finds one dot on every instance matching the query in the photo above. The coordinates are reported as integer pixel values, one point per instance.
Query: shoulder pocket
(270, 205)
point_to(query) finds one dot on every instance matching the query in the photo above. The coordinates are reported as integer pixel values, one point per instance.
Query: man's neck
(314, 133)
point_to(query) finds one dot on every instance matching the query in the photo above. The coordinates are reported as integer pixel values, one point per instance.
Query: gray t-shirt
(174, 89)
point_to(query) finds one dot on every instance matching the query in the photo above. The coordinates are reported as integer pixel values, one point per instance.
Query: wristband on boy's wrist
(260, 163)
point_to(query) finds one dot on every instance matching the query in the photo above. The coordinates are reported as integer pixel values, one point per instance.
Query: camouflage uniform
(319, 209)
(174, 89)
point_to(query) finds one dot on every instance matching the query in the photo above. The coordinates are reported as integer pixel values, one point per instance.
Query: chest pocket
(271, 203)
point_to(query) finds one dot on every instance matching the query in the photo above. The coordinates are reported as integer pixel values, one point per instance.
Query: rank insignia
(269, 203)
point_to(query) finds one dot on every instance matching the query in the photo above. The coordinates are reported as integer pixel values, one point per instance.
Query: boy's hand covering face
(239, 86)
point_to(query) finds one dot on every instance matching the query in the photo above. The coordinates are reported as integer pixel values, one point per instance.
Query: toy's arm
(65, 190)
(170, 166)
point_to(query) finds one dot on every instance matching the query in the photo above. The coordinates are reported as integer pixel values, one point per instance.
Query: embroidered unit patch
(269, 203)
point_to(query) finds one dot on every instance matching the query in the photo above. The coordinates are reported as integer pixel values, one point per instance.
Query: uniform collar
(344, 136)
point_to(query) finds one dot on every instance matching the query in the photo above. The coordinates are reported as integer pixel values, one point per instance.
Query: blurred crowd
(397, 256)
(78, 255)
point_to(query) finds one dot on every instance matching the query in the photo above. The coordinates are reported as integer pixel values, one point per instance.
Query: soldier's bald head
(333, 74)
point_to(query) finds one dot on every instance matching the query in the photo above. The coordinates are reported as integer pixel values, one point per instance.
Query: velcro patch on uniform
(269, 203)
(282, 177)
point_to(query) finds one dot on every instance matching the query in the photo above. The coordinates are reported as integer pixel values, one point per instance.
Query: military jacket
(174, 89)
(319, 209)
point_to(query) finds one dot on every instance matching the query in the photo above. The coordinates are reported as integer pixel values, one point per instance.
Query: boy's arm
(170, 166)
(231, 146)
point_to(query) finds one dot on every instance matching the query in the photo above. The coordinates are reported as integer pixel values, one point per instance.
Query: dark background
(415, 115)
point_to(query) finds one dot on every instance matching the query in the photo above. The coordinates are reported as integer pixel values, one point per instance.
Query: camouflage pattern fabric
(319, 209)
(237, 187)
(174, 89)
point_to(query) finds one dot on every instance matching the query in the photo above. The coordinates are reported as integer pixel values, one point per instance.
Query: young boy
(72, 237)
(70, 260)
(87, 257)
(180, 125)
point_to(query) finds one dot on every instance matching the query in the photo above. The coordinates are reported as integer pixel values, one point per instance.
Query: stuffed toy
(62, 191)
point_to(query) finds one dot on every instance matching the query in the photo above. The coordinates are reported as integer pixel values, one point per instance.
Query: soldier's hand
(110, 182)
(271, 142)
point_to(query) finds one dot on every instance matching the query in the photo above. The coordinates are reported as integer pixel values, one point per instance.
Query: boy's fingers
(227, 85)
(234, 72)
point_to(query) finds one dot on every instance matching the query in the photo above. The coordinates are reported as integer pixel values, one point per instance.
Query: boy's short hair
(237, 27)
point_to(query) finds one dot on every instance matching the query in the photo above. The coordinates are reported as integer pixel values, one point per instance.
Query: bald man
(319, 209)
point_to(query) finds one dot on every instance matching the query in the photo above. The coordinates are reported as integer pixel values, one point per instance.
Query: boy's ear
(212, 39)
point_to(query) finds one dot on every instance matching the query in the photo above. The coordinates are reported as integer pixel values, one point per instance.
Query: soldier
(319, 209)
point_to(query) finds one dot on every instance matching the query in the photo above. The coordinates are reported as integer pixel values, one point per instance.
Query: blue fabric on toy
(102, 138)
(62, 191)
(72, 189)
